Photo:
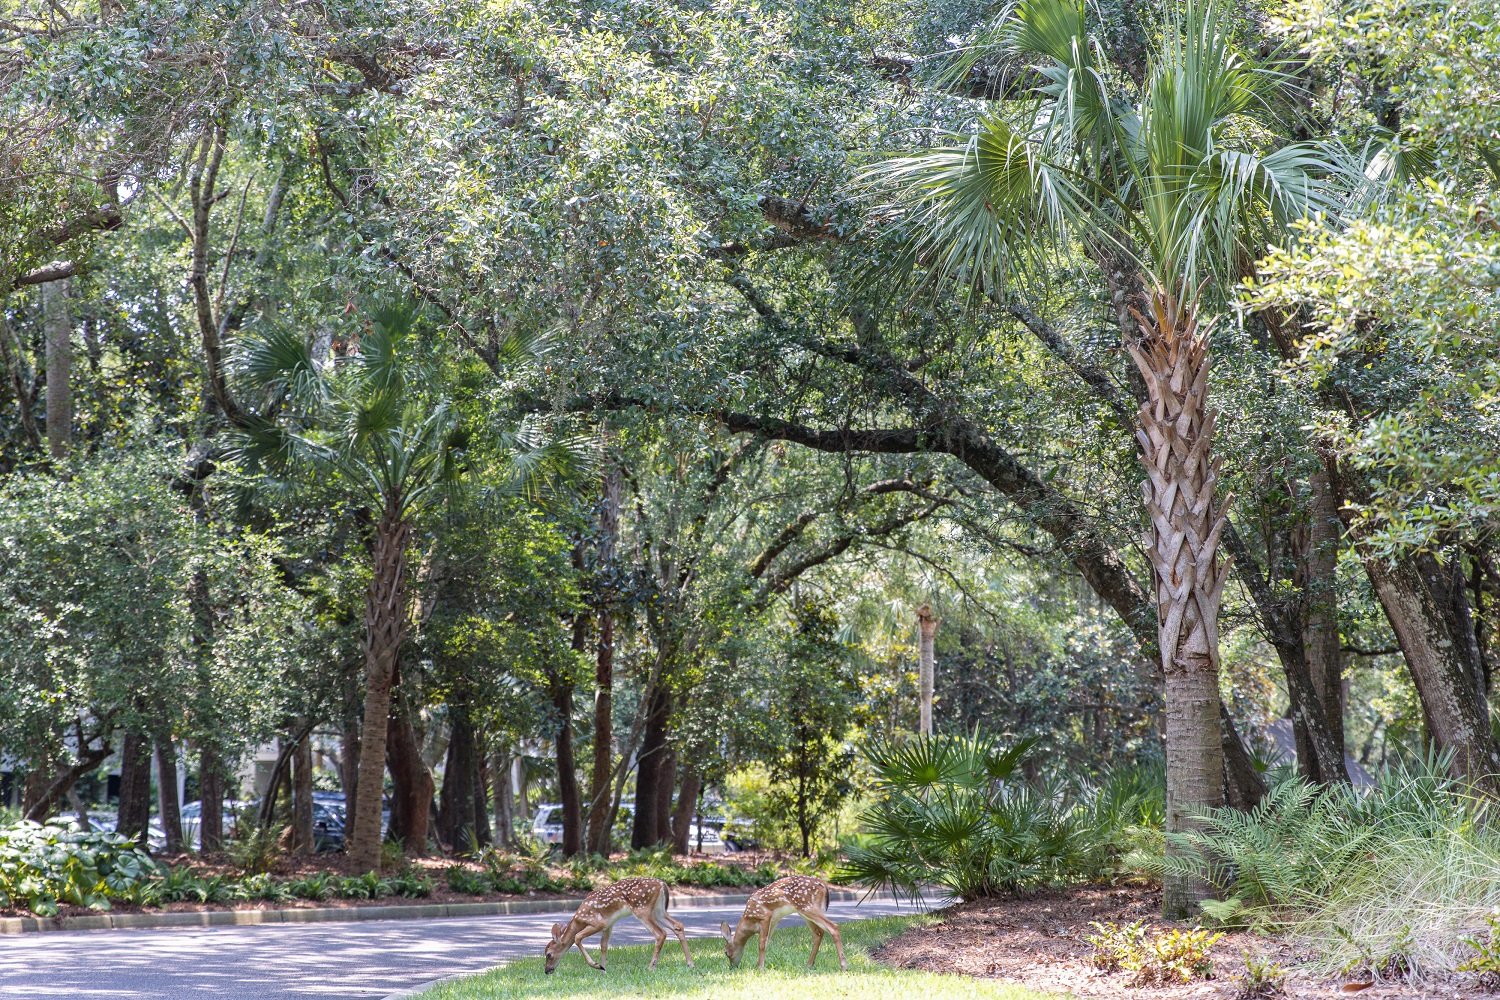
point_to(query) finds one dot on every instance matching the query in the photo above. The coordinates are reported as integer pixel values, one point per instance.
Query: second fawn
(799, 894)
(601, 909)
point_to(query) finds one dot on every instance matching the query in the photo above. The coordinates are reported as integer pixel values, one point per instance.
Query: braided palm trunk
(1176, 439)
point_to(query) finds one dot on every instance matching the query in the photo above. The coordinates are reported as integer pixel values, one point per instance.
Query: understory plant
(1392, 881)
(43, 867)
(1167, 958)
(960, 814)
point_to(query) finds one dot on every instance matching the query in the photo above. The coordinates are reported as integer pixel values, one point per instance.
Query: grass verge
(786, 976)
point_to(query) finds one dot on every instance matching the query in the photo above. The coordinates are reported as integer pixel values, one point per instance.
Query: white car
(547, 827)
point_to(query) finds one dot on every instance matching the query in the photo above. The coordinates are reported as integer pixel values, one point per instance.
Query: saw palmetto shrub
(960, 814)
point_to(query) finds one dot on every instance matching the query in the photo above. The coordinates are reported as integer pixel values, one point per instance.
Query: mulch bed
(1037, 941)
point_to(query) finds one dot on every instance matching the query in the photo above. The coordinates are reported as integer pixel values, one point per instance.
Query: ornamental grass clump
(1392, 882)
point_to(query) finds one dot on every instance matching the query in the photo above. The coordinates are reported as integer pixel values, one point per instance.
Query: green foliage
(1387, 881)
(1263, 979)
(257, 850)
(1485, 961)
(42, 867)
(1165, 959)
(959, 813)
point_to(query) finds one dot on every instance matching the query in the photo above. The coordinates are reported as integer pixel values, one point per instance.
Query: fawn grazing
(807, 897)
(601, 909)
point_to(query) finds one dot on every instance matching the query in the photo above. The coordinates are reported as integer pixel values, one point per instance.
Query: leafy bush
(42, 867)
(315, 886)
(1390, 881)
(1262, 979)
(255, 852)
(958, 813)
(367, 886)
(1485, 962)
(1170, 958)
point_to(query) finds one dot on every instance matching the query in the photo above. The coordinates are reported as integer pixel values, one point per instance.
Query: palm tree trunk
(385, 630)
(927, 624)
(1176, 439)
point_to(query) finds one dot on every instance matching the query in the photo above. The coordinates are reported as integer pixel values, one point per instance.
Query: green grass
(786, 976)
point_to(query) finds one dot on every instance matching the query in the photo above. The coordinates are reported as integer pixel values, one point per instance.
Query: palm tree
(1171, 192)
(374, 422)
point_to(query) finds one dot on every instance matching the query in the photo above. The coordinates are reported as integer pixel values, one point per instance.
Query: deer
(601, 909)
(800, 894)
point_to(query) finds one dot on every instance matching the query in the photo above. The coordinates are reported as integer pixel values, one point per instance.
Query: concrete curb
(318, 915)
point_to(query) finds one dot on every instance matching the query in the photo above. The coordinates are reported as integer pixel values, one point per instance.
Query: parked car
(547, 827)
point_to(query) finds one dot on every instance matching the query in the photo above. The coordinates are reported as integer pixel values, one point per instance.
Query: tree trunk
(169, 802)
(666, 782)
(644, 830)
(303, 840)
(134, 813)
(456, 822)
(505, 815)
(604, 671)
(927, 624)
(210, 801)
(687, 804)
(59, 325)
(385, 630)
(567, 772)
(1182, 542)
(1320, 630)
(480, 796)
(412, 784)
(1244, 786)
(1439, 654)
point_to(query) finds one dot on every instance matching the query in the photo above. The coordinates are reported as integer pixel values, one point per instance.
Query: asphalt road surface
(334, 961)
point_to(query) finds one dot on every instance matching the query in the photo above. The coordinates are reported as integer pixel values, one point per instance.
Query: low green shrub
(367, 886)
(43, 867)
(1263, 979)
(316, 886)
(960, 814)
(1170, 958)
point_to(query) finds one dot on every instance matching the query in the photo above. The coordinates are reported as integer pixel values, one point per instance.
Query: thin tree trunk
(1244, 786)
(505, 816)
(166, 791)
(687, 802)
(479, 795)
(385, 630)
(567, 772)
(303, 841)
(666, 781)
(1325, 653)
(59, 326)
(927, 624)
(134, 813)
(604, 670)
(210, 801)
(1176, 439)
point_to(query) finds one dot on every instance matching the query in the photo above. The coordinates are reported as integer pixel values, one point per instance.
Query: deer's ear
(557, 931)
(724, 929)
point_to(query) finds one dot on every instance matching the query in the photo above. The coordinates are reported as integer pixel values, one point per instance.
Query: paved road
(355, 961)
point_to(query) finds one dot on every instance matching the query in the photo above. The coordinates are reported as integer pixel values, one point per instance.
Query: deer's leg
(604, 946)
(588, 932)
(820, 920)
(765, 935)
(817, 933)
(681, 933)
(645, 916)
